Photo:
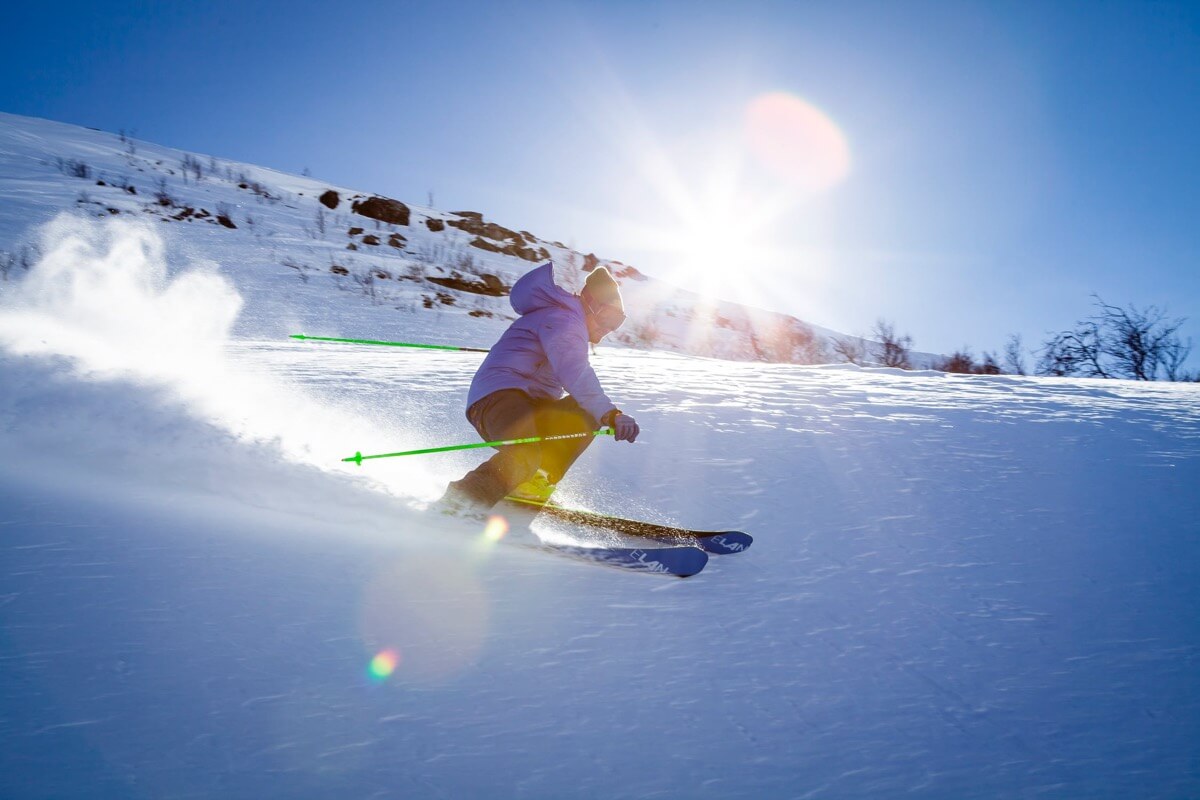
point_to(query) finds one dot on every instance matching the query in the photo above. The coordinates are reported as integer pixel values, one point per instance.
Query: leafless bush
(1014, 355)
(451, 255)
(851, 349)
(892, 350)
(989, 365)
(414, 271)
(191, 164)
(1115, 342)
(162, 195)
(960, 361)
(73, 168)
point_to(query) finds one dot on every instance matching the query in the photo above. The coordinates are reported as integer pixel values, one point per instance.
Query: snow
(959, 586)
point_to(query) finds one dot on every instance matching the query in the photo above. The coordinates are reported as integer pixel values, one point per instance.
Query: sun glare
(796, 141)
(729, 209)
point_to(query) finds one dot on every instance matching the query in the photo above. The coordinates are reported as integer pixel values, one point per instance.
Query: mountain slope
(347, 261)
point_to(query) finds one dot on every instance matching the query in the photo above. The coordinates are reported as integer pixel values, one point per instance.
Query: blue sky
(1005, 159)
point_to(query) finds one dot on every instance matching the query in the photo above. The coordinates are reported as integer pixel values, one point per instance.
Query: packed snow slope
(959, 587)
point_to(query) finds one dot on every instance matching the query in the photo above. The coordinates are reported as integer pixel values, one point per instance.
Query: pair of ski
(686, 554)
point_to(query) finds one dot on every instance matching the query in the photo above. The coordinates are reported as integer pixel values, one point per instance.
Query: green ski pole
(302, 337)
(358, 458)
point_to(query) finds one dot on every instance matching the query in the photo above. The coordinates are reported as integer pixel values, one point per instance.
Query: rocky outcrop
(486, 284)
(383, 209)
(511, 249)
(330, 199)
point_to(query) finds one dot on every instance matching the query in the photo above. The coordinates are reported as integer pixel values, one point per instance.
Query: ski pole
(302, 337)
(358, 458)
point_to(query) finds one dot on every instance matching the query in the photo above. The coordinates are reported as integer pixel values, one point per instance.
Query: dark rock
(590, 262)
(479, 312)
(511, 249)
(354, 232)
(371, 239)
(226, 221)
(484, 244)
(397, 241)
(486, 284)
(330, 199)
(435, 225)
(489, 230)
(383, 209)
(339, 270)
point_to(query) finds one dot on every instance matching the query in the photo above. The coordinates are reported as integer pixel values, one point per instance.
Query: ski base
(716, 542)
(682, 562)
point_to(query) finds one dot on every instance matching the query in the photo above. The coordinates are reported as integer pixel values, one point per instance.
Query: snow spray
(104, 297)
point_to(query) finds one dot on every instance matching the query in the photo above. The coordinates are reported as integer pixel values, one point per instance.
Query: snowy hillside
(336, 261)
(959, 586)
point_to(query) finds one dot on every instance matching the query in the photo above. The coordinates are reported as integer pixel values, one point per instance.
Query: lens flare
(495, 529)
(430, 608)
(383, 665)
(797, 141)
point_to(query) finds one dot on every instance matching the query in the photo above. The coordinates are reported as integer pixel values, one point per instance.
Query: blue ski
(716, 542)
(678, 561)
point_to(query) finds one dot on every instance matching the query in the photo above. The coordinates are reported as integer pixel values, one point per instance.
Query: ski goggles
(609, 317)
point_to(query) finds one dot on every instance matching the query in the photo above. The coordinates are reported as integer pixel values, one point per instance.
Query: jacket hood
(536, 289)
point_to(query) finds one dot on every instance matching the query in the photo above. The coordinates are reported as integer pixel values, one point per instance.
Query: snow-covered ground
(959, 587)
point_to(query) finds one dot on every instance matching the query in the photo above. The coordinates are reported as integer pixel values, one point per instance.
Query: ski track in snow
(959, 587)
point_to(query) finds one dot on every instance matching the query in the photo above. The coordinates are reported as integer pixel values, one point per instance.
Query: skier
(537, 381)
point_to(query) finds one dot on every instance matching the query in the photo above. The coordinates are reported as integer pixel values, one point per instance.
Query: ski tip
(357, 458)
(297, 336)
(726, 542)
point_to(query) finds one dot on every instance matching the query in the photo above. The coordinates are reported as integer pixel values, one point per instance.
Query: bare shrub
(989, 365)
(74, 168)
(162, 195)
(960, 361)
(1014, 355)
(1116, 342)
(850, 349)
(892, 350)
(192, 165)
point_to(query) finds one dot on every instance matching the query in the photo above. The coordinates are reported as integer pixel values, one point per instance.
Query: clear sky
(967, 170)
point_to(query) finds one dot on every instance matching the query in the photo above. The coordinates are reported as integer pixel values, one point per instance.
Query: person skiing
(537, 381)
